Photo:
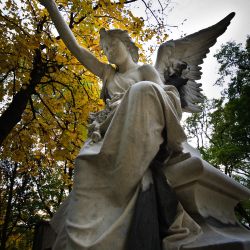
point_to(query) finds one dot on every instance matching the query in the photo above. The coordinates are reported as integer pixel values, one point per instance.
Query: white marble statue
(142, 101)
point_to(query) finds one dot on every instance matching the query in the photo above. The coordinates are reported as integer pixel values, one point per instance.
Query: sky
(203, 13)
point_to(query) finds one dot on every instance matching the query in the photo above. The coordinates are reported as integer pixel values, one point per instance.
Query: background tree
(25, 200)
(46, 96)
(222, 130)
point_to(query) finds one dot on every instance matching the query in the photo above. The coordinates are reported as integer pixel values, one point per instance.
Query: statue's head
(123, 36)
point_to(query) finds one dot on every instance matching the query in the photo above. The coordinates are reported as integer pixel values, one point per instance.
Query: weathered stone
(141, 102)
(210, 197)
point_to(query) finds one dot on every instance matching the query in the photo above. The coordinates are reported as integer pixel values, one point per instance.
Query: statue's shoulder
(146, 68)
(149, 72)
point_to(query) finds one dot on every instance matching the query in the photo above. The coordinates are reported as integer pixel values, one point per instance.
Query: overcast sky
(203, 13)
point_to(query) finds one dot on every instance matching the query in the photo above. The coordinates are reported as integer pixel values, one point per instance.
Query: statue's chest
(119, 83)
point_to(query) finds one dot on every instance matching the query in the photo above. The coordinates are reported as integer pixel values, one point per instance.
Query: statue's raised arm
(87, 59)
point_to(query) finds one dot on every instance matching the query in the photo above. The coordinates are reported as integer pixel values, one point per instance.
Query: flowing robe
(109, 172)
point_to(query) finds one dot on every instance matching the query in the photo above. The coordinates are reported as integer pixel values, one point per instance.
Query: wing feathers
(191, 49)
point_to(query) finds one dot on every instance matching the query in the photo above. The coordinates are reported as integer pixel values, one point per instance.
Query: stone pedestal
(207, 194)
(210, 197)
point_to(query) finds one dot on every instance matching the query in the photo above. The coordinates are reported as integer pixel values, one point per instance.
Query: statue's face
(115, 50)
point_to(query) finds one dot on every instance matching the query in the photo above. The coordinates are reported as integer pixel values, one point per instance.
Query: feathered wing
(178, 62)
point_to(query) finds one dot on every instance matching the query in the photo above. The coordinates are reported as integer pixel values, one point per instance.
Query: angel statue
(121, 198)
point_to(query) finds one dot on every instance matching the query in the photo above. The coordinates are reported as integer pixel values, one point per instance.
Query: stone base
(219, 236)
(210, 197)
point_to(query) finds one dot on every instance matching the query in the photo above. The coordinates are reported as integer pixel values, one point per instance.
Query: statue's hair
(124, 37)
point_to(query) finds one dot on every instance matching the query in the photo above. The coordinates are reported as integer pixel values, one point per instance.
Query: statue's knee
(142, 87)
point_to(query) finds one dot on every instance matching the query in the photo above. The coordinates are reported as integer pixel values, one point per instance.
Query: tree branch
(12, 115)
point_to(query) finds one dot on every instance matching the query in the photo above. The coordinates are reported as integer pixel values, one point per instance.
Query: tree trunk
(7, 216)
(12, 115)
